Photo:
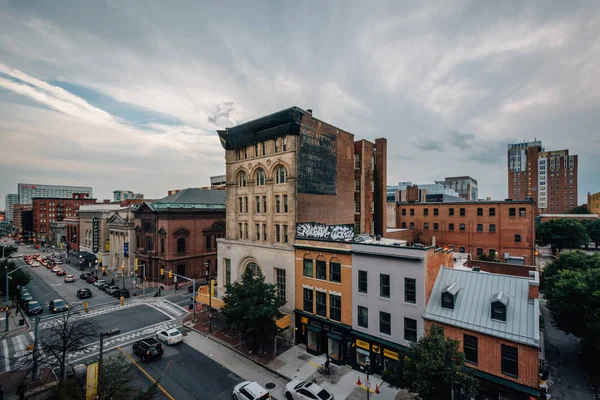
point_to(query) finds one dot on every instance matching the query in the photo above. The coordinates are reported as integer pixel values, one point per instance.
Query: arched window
(147, 226)
(260, 177)
(181, 246)
(242, 179)
(254, 268)
(280, 174)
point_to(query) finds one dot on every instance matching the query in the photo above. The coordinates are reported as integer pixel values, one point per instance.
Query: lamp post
(108, 333)
(7, 278)
(367, 383)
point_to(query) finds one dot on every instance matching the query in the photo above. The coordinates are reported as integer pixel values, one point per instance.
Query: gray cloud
(425, 144)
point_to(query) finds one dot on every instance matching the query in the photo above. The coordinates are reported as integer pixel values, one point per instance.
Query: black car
(84, 276)
(26, 298)
(58, 305)
(148, 349)
(103, 286)
(84, 293)
(111, 289)
(122, 292)
(33, 308)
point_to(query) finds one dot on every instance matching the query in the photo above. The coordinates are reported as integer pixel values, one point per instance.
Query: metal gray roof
(472, 307)
(191, 198)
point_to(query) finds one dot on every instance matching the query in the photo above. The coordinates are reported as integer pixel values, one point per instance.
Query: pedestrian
(21, 390)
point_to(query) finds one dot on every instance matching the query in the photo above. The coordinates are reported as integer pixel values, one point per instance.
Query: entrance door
(181, 269)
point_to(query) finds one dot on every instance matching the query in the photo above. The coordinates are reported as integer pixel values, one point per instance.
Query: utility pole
(193, 280)
(35, 349)
(108, 333)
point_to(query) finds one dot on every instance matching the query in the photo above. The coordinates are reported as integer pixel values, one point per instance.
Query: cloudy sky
(128, 95)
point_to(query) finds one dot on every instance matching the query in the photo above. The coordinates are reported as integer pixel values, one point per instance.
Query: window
(412, 212)
(436, 212)
(470, 348)
(264, 201)
(492, 212)
(363, 317)
(492, 253)
(436, 226)
(480, 212)
(479, 227)
(278, 233)
(412, 225)
(426, 212)
(258, 232)
(362, 281)
(510, 360)
(357, 207)
(404, 225)
(492, 227)
(280, 175)
(461, 249)
(246, 204)
(148, 243)
(451, 212)
(241, 204)
(162, 245)
(425, 226)
(242, 179)
(385, 323)
(448, 300)
(384, 285)
(245, 230)
(286, 238)
(284, 143)
(461, 227)
(257, 200)
(322, 304)
(285, 203)
(450, 227)
(277, 204)
(280, 275)
(498, 311)
(410, 330)
(256, 152)
(357, 185)
(276, 141)
(517, 238)
(335, 307)
(523, 211)
(308, 300)
(512, 212)
(227, 271)
(260, 177)
(463, 212)
(264, 232)
(263, 149)
(335, 271)
(410, 290)
(404, 211)
(208, 241)
(321, 269)
(308, 267)
(479, 251)
(357, 161)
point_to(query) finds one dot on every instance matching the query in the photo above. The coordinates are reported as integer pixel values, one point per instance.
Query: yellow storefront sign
(363, 344)
(391, 354)
(91, 384)
(303, 320)
(376, 349)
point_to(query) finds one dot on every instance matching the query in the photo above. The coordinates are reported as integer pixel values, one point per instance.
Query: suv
(122, 292)
(58, 305)
(33, 308)
(111, 289)
(148, 349)
(84, 293)
(250, 391)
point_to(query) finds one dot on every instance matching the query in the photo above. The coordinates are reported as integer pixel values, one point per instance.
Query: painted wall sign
(317, 163)
(313, 230)
(95, 235)
(391, 354)
(363, 344)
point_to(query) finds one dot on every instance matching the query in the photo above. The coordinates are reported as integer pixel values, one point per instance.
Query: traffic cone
(359, 383)
(377, 389)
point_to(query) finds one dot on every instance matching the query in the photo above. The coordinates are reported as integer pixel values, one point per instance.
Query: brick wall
(401, 234)
(380, 186)
(489, 357)
(501, 268)
(434, 259)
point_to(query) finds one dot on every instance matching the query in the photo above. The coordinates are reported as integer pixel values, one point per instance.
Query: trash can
(21, 322)
(191, 306)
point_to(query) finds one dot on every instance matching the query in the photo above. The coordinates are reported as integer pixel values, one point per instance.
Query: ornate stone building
(121, 230)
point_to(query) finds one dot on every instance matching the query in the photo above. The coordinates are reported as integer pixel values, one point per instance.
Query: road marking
(19, 345)
(145, 373)
(6, 357)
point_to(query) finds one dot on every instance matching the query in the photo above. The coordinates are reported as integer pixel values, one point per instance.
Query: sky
(129, 95)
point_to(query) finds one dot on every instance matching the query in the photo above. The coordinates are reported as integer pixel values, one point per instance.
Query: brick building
(496, 320)
(288, 174)
(501, 228)
(50, 209)
(593, 203)
(18, 216)
(178, 233)
(370, 183)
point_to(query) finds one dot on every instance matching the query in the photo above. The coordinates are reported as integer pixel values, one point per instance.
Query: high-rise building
(547, 177)
(28, 191)
(465, 186)
(120, 195)
(9, 201)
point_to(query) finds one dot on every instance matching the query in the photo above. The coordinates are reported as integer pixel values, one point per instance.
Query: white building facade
(27, 191)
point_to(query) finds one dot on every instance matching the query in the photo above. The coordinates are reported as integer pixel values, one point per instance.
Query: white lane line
(6, 357)
(19, 345)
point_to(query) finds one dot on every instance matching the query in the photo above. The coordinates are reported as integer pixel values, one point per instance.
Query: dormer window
(449, 296)
(499, 303)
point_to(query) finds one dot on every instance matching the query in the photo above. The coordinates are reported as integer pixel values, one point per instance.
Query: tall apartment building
(593, 203)
(370, 182)
(28, 191)
(288, 175)
(52, 209)
(548, 177)
(465, 186)
(9, 201)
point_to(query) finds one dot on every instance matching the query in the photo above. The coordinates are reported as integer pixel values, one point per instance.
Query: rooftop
(191, 198)
(472, 308)
(99, 207)
(468, 202)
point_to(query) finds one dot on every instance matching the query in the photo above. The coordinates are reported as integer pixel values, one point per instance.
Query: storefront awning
(384, 342)
(334, 336)
(504, 382)
(314, 328)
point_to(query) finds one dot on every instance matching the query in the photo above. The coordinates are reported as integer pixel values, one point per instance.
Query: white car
(250, 391)
(303, 390)
(55, 269)
(170, 337)
(70, 278)
(97, 283)
(35, 264)
(58, 261)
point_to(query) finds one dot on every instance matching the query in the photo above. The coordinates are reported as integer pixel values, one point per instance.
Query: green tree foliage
(19, 278)
(572, 291)
(592, 228)
(117, 375)
(434, 366)
(485, 257)
(8, 250)
(579, 210)
(252, 306)
(563, 233)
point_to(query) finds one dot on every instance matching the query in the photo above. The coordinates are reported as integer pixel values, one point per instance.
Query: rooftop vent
(476, 269)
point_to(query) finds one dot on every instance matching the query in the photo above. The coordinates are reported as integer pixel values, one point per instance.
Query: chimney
(534, 285)
(309, 110)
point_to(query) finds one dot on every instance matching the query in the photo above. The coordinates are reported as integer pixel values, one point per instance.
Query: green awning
(314, 328)
(334, 335)
(504, 382)
(384, 342)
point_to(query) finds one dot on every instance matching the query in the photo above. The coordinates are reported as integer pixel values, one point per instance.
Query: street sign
(95, 235)
(126, 249)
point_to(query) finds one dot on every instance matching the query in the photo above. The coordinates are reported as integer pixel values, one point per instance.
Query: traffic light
(85, 307)
(162, 271)
(122, 268)
(170, 274)
(103, 269)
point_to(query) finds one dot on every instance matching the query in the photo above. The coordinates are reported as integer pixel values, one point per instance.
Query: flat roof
(468, 202)
(63, 198)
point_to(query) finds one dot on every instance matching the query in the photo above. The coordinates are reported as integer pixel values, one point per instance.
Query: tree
(8, 250)
(434, 366)
(117, 375)
(562, 233)
(485, 257)
(593, 230)
(252, 306)
(576, 261)
(18, 278)
(579, 210)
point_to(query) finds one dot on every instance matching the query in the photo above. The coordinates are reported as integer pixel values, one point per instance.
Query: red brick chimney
(534, 285)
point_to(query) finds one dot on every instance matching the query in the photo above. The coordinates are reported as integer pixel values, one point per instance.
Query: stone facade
(122, 238)
(86, 216)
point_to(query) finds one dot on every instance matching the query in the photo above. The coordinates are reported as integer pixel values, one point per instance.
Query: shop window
(361, 356)
(510, 361)
(334, 347)
(313, 339)
(335, 307)
(335, 271)
(363, 317)
(362, 281)
(322, 304)
(308, 300)
(410, 290)
(308, 267)
(385, 323)
(410, 329)
(470, 349)
(321, 269)
(384, 285)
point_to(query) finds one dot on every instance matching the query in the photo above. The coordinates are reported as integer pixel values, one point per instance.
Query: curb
(18, 331)
(190, 325)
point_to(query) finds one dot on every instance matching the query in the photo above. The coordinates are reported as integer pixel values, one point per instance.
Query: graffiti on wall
(313, 230)
(317, 163)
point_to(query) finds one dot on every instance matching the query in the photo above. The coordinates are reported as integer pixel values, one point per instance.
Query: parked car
(35, 264)
(22, 291)
(84, 276)
(58, 261)
(91, 279)
(110, 290)
(103, 285)
(250, 391)
(58, 305)
(70, 278)
(26, 298)
(61, 272)
(99, 282)
(84, 293)
(122, 292)
(301, 390)
(170, 336)
(33, 308)
(148, 349)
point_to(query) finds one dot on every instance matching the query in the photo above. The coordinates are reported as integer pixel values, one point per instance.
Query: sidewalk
(14, 328)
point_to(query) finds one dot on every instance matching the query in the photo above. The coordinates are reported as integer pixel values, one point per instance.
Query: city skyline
(116, 97)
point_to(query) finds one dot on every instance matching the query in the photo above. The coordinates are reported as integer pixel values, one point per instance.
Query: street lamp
(367, 383)
(7, 278)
